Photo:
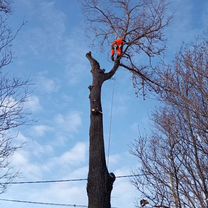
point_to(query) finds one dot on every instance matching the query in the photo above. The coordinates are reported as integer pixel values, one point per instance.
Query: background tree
(141, 24)
(12, 97)
(174, 160)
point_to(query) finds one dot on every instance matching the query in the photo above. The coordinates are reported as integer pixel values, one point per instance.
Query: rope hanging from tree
(111, 118)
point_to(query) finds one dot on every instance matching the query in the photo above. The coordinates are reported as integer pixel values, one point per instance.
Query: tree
(4, 6)
(141, 24)
(174, 160)
(13, 95)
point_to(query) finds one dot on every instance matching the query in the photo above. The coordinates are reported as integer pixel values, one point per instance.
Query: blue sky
(50, 51)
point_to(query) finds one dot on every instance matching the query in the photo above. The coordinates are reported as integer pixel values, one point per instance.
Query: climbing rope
(110, 123)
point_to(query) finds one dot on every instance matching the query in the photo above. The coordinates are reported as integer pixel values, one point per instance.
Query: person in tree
(117, 47)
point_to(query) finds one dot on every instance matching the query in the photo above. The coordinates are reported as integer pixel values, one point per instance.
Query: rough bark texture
(100, 182)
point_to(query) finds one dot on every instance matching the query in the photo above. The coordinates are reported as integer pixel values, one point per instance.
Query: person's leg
(112, 53)
(119, 51)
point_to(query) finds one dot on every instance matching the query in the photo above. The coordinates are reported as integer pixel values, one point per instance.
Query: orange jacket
(119, 42)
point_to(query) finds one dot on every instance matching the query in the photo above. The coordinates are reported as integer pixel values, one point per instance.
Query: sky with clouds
(50, 51)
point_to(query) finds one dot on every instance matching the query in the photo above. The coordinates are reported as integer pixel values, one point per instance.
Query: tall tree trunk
(100, 182)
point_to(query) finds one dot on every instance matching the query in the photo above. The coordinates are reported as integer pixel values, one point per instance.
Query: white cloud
(70, 122)
(21, 161)
(46, 84)
(123, 190)
(40, 151)
(120, 104)
(68, 159)
(80, 172)
(76, 62)
(33, 104)
(68, 162)
(64, 192)
(76, 155)
(188, 22)
(48, 35)
(27, 159)
(21, 138)
(114, 159)
(41, 130)
(31, 147)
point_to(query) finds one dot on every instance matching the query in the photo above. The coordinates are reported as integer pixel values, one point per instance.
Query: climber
(118, 45)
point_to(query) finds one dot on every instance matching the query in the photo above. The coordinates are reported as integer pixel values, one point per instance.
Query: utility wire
(65, 180)
(46, 181)
(42, 203)
(130, 176)
(57, 181)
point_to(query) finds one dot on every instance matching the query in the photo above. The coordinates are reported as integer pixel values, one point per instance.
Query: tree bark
(100, 181)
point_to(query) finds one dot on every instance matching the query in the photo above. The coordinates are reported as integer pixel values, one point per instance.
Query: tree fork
(100, 181)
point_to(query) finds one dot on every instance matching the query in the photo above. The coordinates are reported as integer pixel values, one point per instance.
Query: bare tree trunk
(100, 182)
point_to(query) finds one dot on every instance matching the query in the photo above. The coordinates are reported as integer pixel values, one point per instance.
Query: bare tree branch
(141, 24)
(174, 159)
(13, 94)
